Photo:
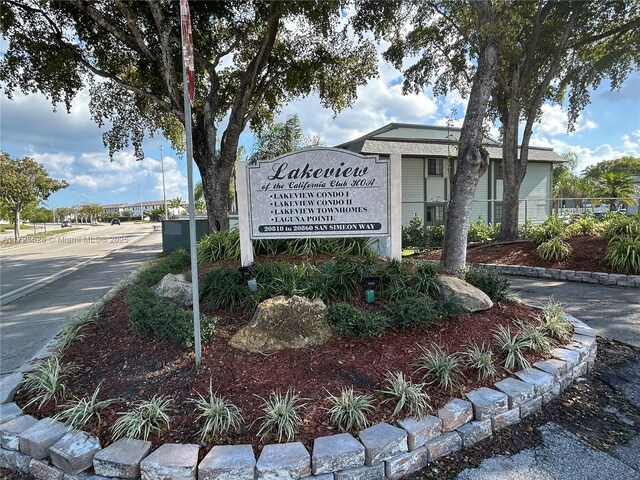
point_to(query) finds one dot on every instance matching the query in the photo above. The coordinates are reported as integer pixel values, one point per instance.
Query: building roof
(429, 140)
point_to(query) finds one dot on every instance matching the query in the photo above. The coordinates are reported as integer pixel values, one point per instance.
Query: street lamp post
(164, 190)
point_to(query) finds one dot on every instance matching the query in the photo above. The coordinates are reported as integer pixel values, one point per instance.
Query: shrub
(154, 271)
(480, 359)
(146, 417)
(219, 246)
(219, 414)
(513, 345)
(623, 254)
(281, 416)
(425, 279)
(393, 280)
(439, 366)
(553, 227)
(480, 231)
(449, 307)
(494, 285)
(435, 234)
(585, 225)
(77, 412)
(621, 226)
(224, 288)
(350, 321)
(555, 321)
(308, 246)
(411, 312)
(407, 396)
(344, 277)
(414, 234)
(164, 318)
(44, 383)
(554, 250)
(527, 229)
(349, 411)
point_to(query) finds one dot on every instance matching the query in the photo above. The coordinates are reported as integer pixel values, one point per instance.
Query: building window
(434, 213)
(498, 170)
(435, 167)
(498, 212)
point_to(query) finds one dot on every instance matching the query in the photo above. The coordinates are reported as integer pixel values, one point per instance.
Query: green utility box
(175, 234)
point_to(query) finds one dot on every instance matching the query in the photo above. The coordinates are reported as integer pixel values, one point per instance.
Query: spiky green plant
(77, 412)
(513, 345)
(441, 367)
(407, 396)
(349, 411)
(45, 383)
(623, 254)
(146, 417)
(219, 414)
(480, 359)
(554, 250)
(281, 416)
(536, 336)
(555, 321)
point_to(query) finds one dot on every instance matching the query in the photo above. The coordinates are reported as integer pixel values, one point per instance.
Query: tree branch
(619, 29)
(135, 31)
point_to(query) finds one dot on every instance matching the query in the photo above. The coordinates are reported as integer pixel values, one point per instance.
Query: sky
(70, 144)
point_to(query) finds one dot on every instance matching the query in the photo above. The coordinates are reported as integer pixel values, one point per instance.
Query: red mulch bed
(134, 367)
(587, 256)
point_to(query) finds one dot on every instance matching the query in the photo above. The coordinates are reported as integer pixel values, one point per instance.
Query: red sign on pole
(187, 47)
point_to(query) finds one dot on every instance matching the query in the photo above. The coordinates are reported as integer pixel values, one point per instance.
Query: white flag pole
(187, 60)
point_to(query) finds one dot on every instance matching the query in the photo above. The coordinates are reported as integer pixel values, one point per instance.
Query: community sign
(319, 192)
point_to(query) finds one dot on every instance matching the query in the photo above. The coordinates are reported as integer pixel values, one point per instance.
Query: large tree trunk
(513, 170)
(473, 159)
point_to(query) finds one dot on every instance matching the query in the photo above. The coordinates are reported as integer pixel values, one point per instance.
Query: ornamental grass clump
(441, 367)
(218, 413)
(45, 382)
(281, 416)
(555, 321)
(78, 412)
(480, 359)
(621, 226)
(426, 279)
(408, 397)
(554, 250)
(623, 254)
(348, 411)
(146, 417)
(537, 337)
(513, 345)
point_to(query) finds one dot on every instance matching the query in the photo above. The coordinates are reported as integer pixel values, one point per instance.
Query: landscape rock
(470, 297)
(177, 288)
(281, 322)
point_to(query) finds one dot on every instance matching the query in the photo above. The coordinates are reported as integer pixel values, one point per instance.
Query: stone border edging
(601, 278)
(49, 450)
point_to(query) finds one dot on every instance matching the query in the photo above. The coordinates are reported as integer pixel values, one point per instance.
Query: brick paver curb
(383, 451)
(601, 278)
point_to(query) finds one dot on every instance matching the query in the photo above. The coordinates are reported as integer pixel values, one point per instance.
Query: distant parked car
(65, 224)
(115, 221)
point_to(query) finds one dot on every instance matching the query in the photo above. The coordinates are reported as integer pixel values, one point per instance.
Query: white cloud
(554, 121)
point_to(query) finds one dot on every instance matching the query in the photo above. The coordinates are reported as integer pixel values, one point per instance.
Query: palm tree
(175, 204)
(612, 186)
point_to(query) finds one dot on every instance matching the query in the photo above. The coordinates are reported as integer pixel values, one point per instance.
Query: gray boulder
(177, 288)
(281, 322)
(470, 297)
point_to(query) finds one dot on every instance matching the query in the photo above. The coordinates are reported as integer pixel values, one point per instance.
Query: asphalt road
(614, 312)
(27, 324)
(38, 261)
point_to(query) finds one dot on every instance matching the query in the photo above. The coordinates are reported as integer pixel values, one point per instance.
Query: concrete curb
(601, 278)
(18, 293)
(392, 453)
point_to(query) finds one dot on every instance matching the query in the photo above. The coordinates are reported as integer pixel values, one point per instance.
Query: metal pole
(164, 190)
(192, 218)
(140, 193)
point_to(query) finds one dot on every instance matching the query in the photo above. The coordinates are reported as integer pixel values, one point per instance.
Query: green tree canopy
(250, 58)
(611, 186)
(24, 182)
(626, 164)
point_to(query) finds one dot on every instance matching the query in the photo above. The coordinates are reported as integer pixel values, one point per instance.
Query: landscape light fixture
(370, 283)
(247, 273)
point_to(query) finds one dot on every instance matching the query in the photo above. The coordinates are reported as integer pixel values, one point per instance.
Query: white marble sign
(319, 192)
